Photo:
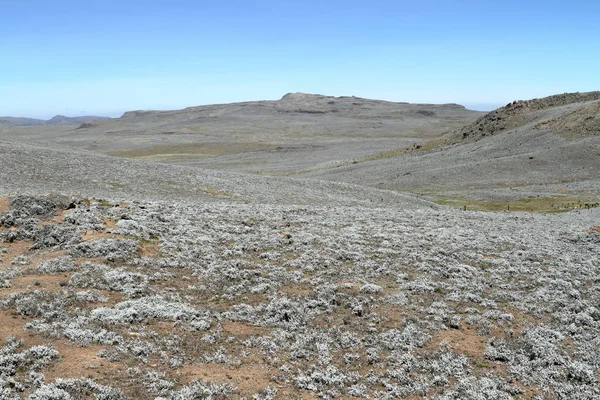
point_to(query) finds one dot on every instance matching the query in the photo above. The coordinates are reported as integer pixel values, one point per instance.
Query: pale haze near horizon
(107, 57)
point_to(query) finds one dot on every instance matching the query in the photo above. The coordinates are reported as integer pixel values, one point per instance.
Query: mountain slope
(26, 168)
(519, 113)
(544, 147)
(16, 121)
(62, 120)
(181, 283)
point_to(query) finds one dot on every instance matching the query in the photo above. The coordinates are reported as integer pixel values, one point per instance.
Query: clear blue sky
(106, 57)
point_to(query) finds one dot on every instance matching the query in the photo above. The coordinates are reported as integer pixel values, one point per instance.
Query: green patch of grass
(214, 191)
(428, 145)
(482, 364)
(556, 204)
(190, 151)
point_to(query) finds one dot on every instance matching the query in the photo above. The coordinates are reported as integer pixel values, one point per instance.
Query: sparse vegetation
(261, 301)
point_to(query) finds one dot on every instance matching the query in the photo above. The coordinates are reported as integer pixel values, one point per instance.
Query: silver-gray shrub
(98, 276)
(58, 265)
(109, 249)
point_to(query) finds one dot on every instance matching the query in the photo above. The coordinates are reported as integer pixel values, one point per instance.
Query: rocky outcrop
(519, 113)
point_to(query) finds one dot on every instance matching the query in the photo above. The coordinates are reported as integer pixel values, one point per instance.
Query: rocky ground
(171, 300)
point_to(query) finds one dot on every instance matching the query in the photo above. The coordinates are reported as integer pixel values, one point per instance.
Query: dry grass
(187, 151)
(4, 204)
(249, 378)
(555, 204)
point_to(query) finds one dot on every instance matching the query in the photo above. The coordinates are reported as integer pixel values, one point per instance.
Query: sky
(105, 57)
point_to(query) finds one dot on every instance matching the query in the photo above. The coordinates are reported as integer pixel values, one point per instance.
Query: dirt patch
(149, 248)
(60, 218)
(13, 325)
(529, 392)
(463, 341)
(21, 284)
(249, 378)
(36, 259)
(297, 290)
(14, 249)
(110, 223)
(4, 204)
(242, 330)
(95, 235)
(77, 362)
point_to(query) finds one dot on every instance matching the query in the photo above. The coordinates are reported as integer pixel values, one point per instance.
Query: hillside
(582, 122)
(31, 169)
(548, 148)
(298, 132)
(520, 113)
(16, 121)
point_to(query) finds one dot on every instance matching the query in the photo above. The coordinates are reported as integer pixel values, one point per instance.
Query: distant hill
(305, 103)
(56, 120)
(15, 121)
(298, 132)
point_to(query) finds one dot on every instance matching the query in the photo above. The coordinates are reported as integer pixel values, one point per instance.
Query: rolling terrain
(548, 148)
(539, 154)
(126, 278)
(298, 132)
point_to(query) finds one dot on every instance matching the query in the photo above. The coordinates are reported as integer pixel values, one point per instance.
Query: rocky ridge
(522, 112)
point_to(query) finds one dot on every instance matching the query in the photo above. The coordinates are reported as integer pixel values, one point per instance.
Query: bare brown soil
(4, 204)
(248, 378)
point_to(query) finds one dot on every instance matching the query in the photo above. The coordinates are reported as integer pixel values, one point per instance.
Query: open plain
(304, 248)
